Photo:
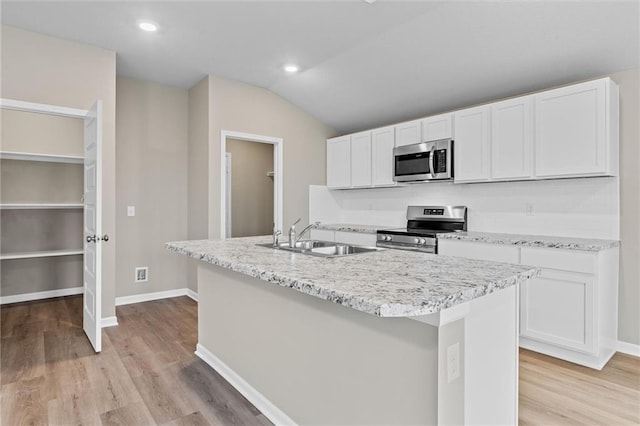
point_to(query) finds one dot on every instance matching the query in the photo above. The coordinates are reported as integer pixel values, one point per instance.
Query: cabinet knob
(91, 239)
(105, 238)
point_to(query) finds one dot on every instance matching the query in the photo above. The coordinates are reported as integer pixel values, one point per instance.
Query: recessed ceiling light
(291, 68)
(146, 25)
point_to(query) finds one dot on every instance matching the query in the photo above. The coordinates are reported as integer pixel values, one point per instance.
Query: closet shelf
(36, 254)
(51, 158)
(31, 206)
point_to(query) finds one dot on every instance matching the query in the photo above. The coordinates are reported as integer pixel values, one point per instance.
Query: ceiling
(362, 65)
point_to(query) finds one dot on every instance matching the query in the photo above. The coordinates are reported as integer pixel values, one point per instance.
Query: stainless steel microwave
(423, 161)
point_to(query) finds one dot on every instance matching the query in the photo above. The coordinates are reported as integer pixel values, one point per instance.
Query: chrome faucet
(292, 234)
(310, 226)
(276, 233)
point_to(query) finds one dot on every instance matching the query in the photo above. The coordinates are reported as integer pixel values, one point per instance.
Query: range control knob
(416, 240)
(422, 241)
(388, 237)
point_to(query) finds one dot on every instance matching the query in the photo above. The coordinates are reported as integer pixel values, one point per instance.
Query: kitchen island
(389, 337)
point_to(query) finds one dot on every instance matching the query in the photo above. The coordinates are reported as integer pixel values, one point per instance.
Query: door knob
(91, 239)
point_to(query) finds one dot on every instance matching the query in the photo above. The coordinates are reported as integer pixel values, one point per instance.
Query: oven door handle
(431, 161)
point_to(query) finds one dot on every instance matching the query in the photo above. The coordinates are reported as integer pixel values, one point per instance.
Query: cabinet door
(339, 162)
(511, 139)
(382, 143)
(557, 308)
(570, 131)
(471, 146)
(361, 159)
(437, 127)
(408, 133)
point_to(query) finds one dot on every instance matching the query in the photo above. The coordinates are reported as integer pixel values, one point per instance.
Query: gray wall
(629, 294)
(43, 69)
(198, 166)
(251, 188)
(152, 145)
(345, 366)
(239, 107)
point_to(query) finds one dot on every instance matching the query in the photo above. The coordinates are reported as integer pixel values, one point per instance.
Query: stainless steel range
(423, 224)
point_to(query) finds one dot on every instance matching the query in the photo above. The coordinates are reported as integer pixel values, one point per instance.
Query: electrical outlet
(131, 211)
(529, 209)
(453, 362)
(142, 274)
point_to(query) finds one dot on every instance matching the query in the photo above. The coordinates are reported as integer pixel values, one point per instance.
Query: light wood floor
(148, 374)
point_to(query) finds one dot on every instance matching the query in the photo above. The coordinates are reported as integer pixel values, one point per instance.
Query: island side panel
(318, 362)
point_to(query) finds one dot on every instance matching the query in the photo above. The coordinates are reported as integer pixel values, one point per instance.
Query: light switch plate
(131, 210)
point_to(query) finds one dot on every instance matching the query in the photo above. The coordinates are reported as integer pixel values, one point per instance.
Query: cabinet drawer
(482, 251)
(322, 234)
(356, 238)
(560, 259)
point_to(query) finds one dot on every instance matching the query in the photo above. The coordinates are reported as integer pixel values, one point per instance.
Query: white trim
(628, 348)
(38, 254)
(192, 294)
(278, 187)
(49, 158)
(109, 322)
(266, 407)
(34, 206)
(26, 297)
(42, 108)
(157, 295)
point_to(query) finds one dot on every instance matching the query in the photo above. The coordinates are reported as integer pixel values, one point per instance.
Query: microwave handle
(431, 161)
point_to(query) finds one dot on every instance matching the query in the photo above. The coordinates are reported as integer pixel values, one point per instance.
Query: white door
(408, 133)
(361, 159)
(93, 239)
(339, 162)
(471, 147)
(437, 127)
(382, 143)
(511, 138)
(228, 176)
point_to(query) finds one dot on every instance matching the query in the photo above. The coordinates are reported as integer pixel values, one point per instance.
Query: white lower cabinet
(570, 311)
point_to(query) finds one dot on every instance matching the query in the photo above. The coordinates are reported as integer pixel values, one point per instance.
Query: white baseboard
(146, 297)
(41, 295)
(266, 407)
(192, 294)
(109, 322)
(628, 348)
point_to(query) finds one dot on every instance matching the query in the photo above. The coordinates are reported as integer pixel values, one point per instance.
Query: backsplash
(587, 208)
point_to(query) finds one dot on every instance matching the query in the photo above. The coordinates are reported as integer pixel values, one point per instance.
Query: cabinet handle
(91, 239)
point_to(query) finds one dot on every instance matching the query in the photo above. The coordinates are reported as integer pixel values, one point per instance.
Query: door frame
(278, 148)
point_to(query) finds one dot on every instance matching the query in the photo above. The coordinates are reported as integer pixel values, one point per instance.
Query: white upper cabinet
(339, 162)
(512, 139)
(408, 133)
(576, 130)
(437, 127)
(382, 144)
(361, 159)
(471, 146)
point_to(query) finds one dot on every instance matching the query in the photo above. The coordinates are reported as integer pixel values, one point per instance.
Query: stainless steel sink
(322, 248)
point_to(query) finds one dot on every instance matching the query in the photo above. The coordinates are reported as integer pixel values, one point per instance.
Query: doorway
(251, 184)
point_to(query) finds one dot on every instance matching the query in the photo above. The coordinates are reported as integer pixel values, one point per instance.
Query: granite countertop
(532, 240)
(350, 227)
(387, 283)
